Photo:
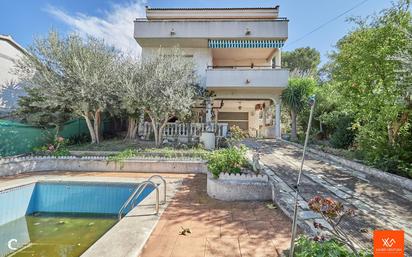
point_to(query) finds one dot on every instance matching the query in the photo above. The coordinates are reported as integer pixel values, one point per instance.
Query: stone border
(14, 166)
(393, 179)
(284, 197)
(239, 187)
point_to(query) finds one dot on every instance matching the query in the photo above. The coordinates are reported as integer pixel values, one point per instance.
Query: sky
(112, 20)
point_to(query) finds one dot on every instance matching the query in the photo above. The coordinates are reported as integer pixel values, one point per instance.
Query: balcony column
(277, 122)
(278, 58)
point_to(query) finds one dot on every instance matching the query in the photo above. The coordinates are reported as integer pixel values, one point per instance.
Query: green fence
(17, 138)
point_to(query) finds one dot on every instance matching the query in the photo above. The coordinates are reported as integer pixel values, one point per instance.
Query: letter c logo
(9, 244)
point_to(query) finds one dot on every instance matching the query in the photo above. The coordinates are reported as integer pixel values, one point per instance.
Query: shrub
(229, 160)
(57, 148)
(343, 135)
(237, 134)
(307, 247)
(120, 157)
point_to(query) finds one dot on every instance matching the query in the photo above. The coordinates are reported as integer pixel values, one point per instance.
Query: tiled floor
(221, 229)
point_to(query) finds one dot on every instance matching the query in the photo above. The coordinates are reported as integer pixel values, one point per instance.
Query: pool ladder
(140, 189)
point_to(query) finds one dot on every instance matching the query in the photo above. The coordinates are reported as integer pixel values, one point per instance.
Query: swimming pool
(59, 218)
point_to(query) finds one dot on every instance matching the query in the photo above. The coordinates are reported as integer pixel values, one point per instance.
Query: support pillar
(277, 124)
(278, 59)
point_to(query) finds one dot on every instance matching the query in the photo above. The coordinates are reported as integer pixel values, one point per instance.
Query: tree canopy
(169, 87)
(70, 73)
(365, 72)
(303, 61)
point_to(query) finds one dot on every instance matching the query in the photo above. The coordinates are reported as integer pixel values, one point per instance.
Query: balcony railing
(211, 29)
(179, 130)
(219, 77)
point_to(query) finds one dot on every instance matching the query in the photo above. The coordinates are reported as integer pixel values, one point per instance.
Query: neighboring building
(10, 89)
(233, 49)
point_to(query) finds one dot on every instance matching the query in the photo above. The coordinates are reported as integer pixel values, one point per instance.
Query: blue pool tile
(66, 197)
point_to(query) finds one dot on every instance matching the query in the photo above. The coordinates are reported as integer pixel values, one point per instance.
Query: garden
(363, 108)
(364, 100)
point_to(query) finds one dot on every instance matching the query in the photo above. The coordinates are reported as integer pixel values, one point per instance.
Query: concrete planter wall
(236, 187)
(13, 166)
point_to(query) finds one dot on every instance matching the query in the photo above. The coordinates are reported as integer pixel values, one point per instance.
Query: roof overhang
(212, 13)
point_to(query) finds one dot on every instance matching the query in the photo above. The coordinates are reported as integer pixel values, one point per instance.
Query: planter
(239, 187)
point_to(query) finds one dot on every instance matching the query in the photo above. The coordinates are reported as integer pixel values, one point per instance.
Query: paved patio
(378, 205)
(221, 229)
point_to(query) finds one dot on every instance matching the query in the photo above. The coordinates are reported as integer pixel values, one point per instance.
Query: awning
(218, 43)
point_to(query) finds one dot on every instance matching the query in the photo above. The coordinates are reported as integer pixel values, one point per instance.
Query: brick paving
(379, 205)
(221, 229)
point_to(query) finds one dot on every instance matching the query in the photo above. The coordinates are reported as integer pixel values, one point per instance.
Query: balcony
(196, 33)
(246, 78)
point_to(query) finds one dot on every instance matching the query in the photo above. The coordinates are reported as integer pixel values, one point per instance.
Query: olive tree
(168, 87)
(72, 73)
(130, 88)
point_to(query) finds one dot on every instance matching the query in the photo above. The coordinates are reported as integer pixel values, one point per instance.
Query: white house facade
(10, 89)
(237, 52)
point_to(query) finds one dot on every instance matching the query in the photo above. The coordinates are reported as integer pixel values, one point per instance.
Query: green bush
(237, 134)
(306, 247)
(229, 160)
(57, 148)
(343, 135)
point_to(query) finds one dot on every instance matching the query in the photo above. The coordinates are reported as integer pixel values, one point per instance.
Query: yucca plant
(294, 98)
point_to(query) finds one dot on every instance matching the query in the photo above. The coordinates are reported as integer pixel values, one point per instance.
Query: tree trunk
(293, 134)
(132, 129)
(90, 127)
(96, 122)
(155, 131)
(158, 129)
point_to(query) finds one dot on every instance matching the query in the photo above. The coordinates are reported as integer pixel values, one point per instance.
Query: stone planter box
(239, 187)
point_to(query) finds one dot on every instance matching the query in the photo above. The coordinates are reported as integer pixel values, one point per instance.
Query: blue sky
(113, 20)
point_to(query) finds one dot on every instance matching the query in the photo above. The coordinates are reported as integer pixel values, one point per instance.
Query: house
(10, 88)
(237, 52)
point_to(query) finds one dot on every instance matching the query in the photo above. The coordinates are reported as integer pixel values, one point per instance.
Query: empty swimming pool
(59, 218)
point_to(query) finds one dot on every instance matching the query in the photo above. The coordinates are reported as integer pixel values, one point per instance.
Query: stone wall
(13, 166)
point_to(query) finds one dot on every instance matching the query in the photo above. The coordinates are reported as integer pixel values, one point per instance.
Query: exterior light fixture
(247, 81)
(248, 32)
(172, 32)
(240, 106)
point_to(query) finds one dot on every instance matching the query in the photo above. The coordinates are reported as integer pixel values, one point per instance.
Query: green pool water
(62, 236)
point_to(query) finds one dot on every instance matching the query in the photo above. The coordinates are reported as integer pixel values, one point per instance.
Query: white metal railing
(176, 130)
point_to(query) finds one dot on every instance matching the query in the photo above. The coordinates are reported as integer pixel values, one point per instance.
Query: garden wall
(14, 166)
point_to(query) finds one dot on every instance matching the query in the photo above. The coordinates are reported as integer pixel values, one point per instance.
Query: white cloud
(115, 26)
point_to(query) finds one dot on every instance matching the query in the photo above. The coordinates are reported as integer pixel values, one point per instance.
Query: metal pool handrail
(138, 191)
(164, 192)
(164, 185)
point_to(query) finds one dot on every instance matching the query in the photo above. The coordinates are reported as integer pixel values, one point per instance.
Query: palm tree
(294, 98)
